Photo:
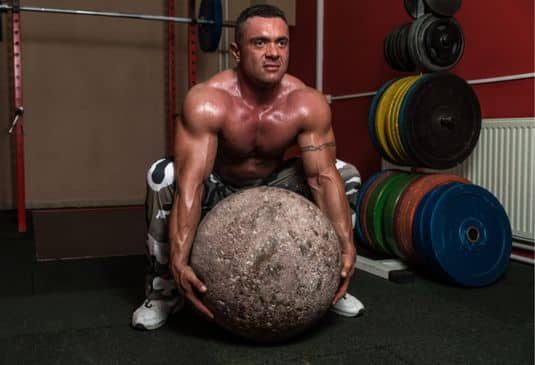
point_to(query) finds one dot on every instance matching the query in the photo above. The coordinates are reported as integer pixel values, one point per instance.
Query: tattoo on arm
(313, 148)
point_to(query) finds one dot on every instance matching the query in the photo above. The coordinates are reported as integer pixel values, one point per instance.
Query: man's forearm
(329, 194)
(183, 224)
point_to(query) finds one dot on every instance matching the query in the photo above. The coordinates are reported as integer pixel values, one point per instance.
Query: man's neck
(257, 94)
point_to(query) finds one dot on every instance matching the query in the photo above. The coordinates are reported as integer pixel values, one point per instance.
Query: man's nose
(272, 50)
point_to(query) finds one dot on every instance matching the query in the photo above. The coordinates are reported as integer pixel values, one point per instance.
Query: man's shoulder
(307, 99)
(311, 106)
(205, 92)
(205, 104)
(211, 94)
(216, 85)
(221, 83)
(299, 90)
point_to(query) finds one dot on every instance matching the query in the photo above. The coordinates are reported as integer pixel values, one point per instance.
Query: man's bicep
(203, 113)
(318, 150)
(195, 150)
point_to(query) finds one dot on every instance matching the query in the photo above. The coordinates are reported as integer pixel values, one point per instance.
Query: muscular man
(233, 134)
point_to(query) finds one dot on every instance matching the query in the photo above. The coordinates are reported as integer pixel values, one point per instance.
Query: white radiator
(503, 163)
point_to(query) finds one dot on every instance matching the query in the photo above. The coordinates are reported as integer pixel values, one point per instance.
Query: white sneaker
(348, 306)
(153, 313)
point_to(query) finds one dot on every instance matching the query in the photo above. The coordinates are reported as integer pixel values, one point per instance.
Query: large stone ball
(271, 261)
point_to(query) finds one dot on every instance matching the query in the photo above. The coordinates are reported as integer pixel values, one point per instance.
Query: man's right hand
(188, 283)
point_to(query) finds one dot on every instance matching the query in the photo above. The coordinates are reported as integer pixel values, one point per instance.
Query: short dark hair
(261, 10)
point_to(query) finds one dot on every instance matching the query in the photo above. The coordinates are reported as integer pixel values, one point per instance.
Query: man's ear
(235, 50)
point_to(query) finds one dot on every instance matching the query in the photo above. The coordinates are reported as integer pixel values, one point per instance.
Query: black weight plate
(390, 50)
(403, 122)
(210, 34)
(442, 41)
(398, 47)
(395, 53)
(404, 56)
(412, 8)
(386, 50)
(443, 7)
(442, 119)
(418, 41)
(412, 41)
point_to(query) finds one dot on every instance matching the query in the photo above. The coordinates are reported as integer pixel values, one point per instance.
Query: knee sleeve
(161, 174)
(159, 199)
(350, 176)
(352, 181)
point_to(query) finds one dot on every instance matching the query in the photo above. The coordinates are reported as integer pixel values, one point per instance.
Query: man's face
(263, 52)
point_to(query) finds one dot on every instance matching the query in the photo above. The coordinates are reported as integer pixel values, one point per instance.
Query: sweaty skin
(239, 124)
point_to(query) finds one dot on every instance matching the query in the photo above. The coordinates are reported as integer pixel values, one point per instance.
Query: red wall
(498, 42)
(303, 42)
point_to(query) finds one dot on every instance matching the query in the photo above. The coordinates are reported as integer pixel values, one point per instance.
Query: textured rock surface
(270, 260)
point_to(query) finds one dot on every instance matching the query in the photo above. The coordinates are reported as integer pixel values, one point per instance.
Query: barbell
(209, 22)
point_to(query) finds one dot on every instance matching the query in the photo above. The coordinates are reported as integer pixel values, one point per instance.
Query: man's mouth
(271, 67)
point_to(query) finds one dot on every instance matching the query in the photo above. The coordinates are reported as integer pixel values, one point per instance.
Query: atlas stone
(271, 261)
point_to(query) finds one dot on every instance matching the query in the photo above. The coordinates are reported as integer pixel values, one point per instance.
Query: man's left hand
(348, 268)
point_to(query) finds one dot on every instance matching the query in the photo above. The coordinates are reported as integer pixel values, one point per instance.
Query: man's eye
(259, 43)
(283, 43)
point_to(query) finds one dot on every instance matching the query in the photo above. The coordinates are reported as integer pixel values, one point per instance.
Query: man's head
(261, 47)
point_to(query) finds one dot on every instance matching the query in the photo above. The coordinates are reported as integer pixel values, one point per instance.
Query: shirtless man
(233, 134)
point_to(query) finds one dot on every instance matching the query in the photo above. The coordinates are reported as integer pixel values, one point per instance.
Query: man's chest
(261, 131)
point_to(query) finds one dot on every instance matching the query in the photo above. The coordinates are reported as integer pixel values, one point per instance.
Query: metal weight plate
(390, 119)
(386, 50)
(420, 226)
(415, 8)
(412, 41)
(362, 192)
(387, 117)
(371, 118)
(443, 7)
(375, 211)
(405, 58)
(210, 34)
(388, 122)
(389, 50)
(418, 41)
(441, 120)
(397, 132)
(391, 201)
(364, 207)
(394, 123)
(407, 205)
(396, 49)
(402, 121)
(469, 235)
(441, 43)
(380, 119)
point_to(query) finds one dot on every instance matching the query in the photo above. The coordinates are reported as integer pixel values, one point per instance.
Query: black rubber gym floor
(78, 312)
